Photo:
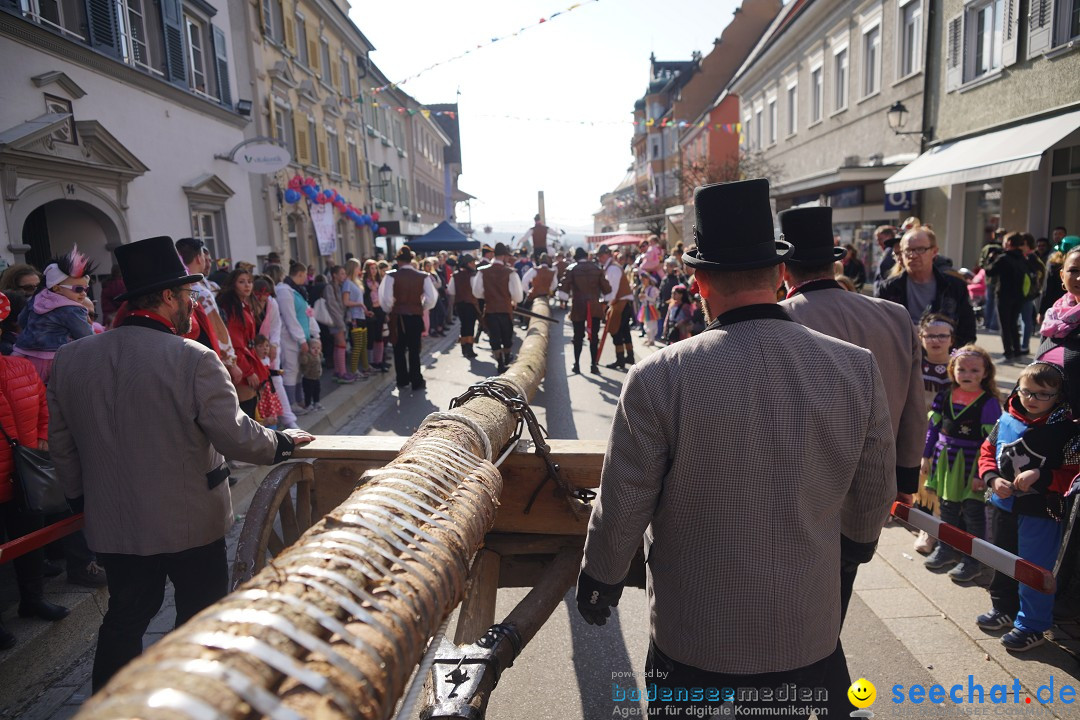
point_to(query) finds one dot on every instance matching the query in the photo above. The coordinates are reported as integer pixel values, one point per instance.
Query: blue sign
(898, 201)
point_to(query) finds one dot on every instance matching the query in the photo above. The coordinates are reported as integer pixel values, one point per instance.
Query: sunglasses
(28, 288)
(77, 289)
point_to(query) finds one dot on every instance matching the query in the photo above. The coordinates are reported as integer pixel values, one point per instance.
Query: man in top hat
(465, 303)
(779, 450)
(404, 294)
(817, 301)
(620, 312)
(500, 288)
(585, 281)
(140, 418)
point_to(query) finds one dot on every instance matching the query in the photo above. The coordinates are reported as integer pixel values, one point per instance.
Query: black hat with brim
(151, 265)
(734, 229)
(581, 253)
(810, 230)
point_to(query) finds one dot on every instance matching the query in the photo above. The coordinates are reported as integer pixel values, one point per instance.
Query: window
(65, 16)
(335, 152)
(301, 40)
(871, 61)
(354, 165)
(313, 142)
(208, 225)
(772, 121)
(840, 75)
(817, 94)
(399, 135)
(283, 127)
(324, 49)
(277, 20)
(346, 79)
(376, 189)
(293, 238)
(910, 37)
(792, 109)
(131, 29)
(196, 56)
(403, 192)
(985, 37)
(758, 112)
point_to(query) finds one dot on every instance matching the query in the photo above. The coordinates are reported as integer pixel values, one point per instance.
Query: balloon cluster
(307, 187)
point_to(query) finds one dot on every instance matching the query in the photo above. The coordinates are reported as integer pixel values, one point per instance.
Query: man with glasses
(923, 288)
(140, 419)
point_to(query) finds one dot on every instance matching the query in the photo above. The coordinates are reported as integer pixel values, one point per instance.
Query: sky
(587, 65)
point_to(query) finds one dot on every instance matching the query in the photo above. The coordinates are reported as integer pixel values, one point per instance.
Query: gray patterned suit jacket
(741, 454)
(885, 329)
(137, 418)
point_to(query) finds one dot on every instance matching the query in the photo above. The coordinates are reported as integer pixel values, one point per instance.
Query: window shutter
(1040, 27)
(172, 21)
(335, 73)
(954, 59)
(221, 65)
(101, 19)
(343, 159)
(324, 157)
(289, 21)
(313, 50)
(267, 16)
(302, 143)
(1010, 32)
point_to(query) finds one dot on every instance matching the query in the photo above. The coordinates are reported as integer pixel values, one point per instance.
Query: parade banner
(322, 217)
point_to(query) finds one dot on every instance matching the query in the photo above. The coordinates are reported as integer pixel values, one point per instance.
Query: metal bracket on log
(507, 393)
(461, 672)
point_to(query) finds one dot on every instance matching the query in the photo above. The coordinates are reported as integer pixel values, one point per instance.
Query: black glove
(595, 599)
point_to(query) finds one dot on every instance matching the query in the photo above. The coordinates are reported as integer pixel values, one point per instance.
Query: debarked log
(334, 626)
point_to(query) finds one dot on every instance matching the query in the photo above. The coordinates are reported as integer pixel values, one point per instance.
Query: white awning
(986, 157)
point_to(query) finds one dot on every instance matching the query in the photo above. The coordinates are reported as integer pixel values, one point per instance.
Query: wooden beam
(478, 609)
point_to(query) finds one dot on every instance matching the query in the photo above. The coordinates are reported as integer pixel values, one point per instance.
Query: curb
(45, 650)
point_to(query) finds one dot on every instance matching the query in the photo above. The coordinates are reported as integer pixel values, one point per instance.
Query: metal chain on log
(334, 626)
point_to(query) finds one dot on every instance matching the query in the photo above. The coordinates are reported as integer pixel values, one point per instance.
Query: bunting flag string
(483, 45)
(731, 128)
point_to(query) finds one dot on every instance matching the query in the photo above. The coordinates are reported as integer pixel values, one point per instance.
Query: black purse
(37, 488)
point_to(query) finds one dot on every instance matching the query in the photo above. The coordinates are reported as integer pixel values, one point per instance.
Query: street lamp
(384, 175)
(898, 117)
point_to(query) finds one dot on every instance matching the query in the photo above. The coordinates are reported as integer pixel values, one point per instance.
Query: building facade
(814, 99)
(1004, 108)
(116, 125)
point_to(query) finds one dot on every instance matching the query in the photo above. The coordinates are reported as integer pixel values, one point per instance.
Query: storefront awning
(985, 157)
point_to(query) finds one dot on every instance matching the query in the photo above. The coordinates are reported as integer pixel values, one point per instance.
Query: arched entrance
(55, 227)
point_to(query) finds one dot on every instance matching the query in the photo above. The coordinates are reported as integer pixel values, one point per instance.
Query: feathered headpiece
(74, 265)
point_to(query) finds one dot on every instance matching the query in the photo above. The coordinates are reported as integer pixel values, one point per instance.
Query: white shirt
(517, 294)
(527, 279)
(614, 272)
(386, 291)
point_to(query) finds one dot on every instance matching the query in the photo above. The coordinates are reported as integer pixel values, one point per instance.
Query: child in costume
(57, 313)
(960, 419)
(936, 337)
(269, 407)
(680, 315)
(311, 371)
(649, 299)
(1028, 463)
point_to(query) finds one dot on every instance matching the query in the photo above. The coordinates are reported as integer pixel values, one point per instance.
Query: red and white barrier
(988, 554)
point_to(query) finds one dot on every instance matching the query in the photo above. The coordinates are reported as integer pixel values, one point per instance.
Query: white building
(114, 115)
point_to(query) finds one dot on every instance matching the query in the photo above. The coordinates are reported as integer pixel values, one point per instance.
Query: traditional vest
(497, 289)
(541, 284)
(408, 291)
(463, 286)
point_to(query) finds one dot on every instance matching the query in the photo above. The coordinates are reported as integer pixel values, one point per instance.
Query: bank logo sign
(262, 158)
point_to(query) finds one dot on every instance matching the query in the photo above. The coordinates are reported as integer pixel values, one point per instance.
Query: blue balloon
(374, 227)
(292, 196)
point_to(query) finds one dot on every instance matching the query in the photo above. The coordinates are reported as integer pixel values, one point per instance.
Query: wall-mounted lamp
(244, 107)
(898, 116)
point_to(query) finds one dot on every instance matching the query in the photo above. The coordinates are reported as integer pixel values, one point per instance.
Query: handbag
(37, 487)
(322, 313)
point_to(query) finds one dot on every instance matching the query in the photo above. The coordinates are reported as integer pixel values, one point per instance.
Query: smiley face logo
(862, 693)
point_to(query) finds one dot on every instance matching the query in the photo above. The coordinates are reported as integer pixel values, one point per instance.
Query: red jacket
(24, 415)
(242, 333)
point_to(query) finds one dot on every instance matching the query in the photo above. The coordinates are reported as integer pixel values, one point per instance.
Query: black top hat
(151, 265)
(810, 230)
(466, 259)
(501, 249)
(734, 229)
(603, 250)
(580, 254)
